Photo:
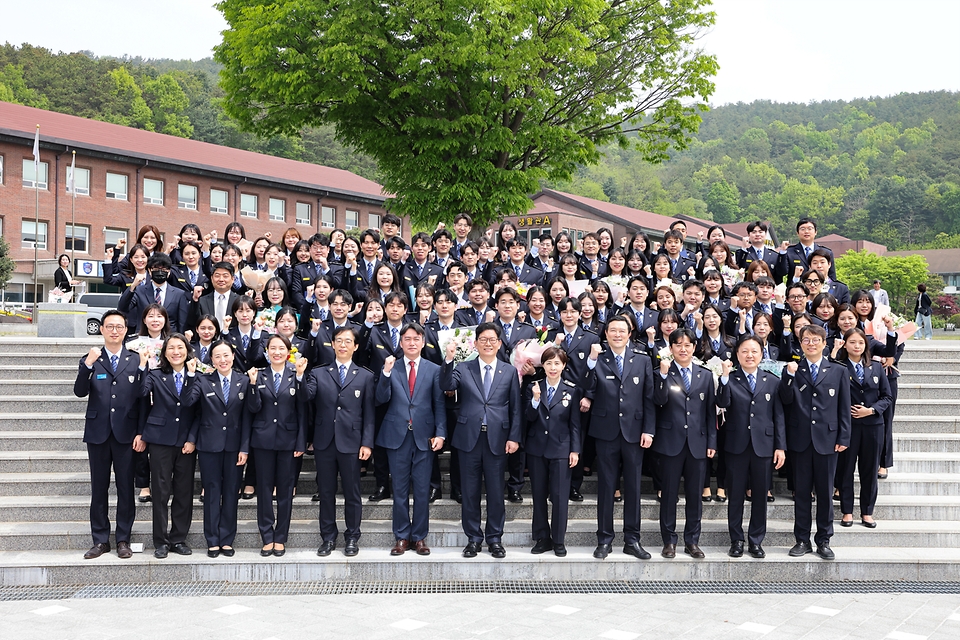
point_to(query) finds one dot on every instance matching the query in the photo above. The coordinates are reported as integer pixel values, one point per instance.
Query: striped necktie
(276, 383)
(178, 381)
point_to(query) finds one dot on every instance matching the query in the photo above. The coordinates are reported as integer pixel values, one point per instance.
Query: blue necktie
(549, 395)
(537, 324)
(479, 317)
(343, 374)
(245, 341)
(440, 261)
(225, 388)
(419, 270)
(443, 327)
(686, 378)
(395, 333)
(323, 314)
(236, 282)
(203, 354)
(757, 253)
(517, 269)
(813, 372)
(114, 362)
(716, 346)
(673, 266)
(178, 381)
(859, 369)
(639, 321)
(806, 252)
(276, 383)
(506, 331)
(569, 340)
(691, 321)
(752, 381)
(369, 272)
(193, 279)
(156, 295)
(620, 364)
(487, 382)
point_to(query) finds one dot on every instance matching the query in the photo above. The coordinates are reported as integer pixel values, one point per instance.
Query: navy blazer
(468, 317)
(423, 414)
(794, 257)
(276, 420)
(753, 417)
(323, 342)
(817, 412)
(133, 301)
(502, 408)
(244, 359)
(377, 345)
(685, 416)
(410, 279)
(218, 427)
(180, 278)
(578, 352)
(166, 420)
(622, 406)
(206, 305)
(744, 258)
(529, 274)
(874, 393)
(518, 331)
(303, 275)
(358, 284)
(113, 404)
(554, 432)
(344, 415)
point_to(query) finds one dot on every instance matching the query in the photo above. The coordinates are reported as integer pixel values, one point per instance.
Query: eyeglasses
(811, 341)
(813, 281)
(487, 340)
(797, 296)
(114, 327)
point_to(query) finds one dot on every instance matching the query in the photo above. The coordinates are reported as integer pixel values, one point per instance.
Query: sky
(780, 50)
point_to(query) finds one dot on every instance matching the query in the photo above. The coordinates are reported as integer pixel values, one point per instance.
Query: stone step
(43, 360)
(50, 371)
(925, 424)
(46, 387)
(16, 345)
(924, 462)
(916, 406)
(914, 364)
(42, 443)
(42, 404)
(924, 391)
(54, 422)
(921, 442)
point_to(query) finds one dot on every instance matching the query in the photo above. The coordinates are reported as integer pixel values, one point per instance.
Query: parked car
(97, 305)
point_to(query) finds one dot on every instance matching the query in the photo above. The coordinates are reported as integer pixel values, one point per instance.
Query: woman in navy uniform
(275, 430)
(553, 449)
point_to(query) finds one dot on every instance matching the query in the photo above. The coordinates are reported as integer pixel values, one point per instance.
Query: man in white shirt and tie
(218, 303)
(755, 248)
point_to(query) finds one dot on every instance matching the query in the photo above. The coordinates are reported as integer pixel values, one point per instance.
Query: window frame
(151, 200)
(45, 169)
(323, 217)
(283, 213)
(298, 219)
(108, 230)
(246, 213)
(183, 204)
(69, 237)
(115, 195)
(226, 201)
(356, 224)
(28, 244)
(81, 191)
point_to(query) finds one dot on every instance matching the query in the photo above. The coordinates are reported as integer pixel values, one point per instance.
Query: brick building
(127, 178)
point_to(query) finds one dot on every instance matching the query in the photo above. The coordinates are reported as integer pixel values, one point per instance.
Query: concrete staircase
(44, 505)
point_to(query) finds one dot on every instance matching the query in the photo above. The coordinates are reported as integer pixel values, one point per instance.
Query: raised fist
(388, 364)
(594, 351)
(92, 356)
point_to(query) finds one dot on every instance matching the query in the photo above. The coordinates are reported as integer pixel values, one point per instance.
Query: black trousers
(250, 471)
(171, 474)
(862, 456)
(435, 480)
(549, 477)
(813, 471)
(381, 464)
(480, 466)
(275, 470)
(718, 464)
(220, 477)
(516, 464)
(886, 455)
(330, 464)
(692, 469)
(745, 471)
(588, 452)
(610, 453)
(141, 469)
(103, 457)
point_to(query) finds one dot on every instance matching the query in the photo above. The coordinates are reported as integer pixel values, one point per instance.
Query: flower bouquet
(772, 366)
(527, 354)
(521, 289)
(205, 368)
(255, 279)
(464, 338)
(667, 282)
(267, 320)
(149, 346)
(731, 275)
(903, 327)
(616, 284)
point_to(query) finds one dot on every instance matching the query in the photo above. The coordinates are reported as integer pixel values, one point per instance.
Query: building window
(152, 191)
(81, 180)
(329, 217)
(278, 209)
(353, 219)
(218, 201)
(30, 180)
(28, 234)
(374, 221)
(1, 169)
(303, 213)
(248, 205)
(22, 292)
(186, 197)
(76, 238)
(117, 187)
(112, 236)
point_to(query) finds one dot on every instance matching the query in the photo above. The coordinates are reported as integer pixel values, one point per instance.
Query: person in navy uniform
(165, 426)
(141, 294)
(754, 441)
(816, 398)
(623, 424)
(274, 428)
(219, 397)
(795, 258)
(343, 436)
(553, 449)
(414, 427)
(303, 275)
(488, 430)
(110, 378)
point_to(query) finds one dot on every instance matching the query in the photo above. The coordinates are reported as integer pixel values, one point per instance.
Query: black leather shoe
(602, 551)
(213, 553)
(868, 525)
(846, 523)
(278, 553)
(247, 496)
(693, 551)
(706, 498)
(771, 498)
(457, 496)
(435, 494)
(181, 549)
(736, 549)
(227, 552)
(800, 549)
(560, 551)
(543, 545)
(634, 549)
(618, 498)
(124, 551)
(514, 496)
(315, 498)
(380, 494)
(326, 548)
(161, 552)
(351, 548)
(497, 550)
(145, 497)
(825, 552)
(266, 553)
(669, 551)
(756, 551)
(471, 550)
(576, 496)
(97, 550)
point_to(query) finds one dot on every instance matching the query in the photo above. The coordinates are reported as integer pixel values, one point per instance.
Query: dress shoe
(497, 551)
(181, 549)
(882, 474)
(514, 496)
(543, 545)
(471, 550)
(602, 551)
(278, 553)
(587, 471)
(96, 551)
(720, 498)
(825, 552)
(634, 549)
(326, 548)
(669, 551)
(800, 549)
(266, 553)
(227, 552)
(380, 494)
(145, 497)
(435, 494)
(560, 551)
(457, 496)
(123, 550)
(693, 551)
(247, 496)
(421, 548)
(351, 548)
(868, 525)
(161, 552)
(315, 498)
(400, 548)
(617, 498)
(756, 551)
(736, 549)
(846, 523)
(576, 496)
(706, 498)
(836, 496)
(201, 498)
(771, 498)
(213, 553)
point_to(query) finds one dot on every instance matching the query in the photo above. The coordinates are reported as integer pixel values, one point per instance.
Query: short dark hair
(226, 266)
(488, 326)
(618, 319)
(396, 296)
(442, 233)
(513, 242)
(757, 224)
(764, 280)
(672, 234)
(343, 294)
(508, 291)
(164, 363)
(465, 217)
(691, 283)
(396, 241)
(113, 312)
(445, 293)
(372, 233)
(683, 332)
(675, 223)
(159, 260)
(421, 237)
(815, 329)
(806, 220)
(478, 282)
(641, 279)
(749, 337)
(569, 302)
(412, 326)
(821, 252)
(750, 286)
(552, 352)
(344, 329)
(319, 238)
(391, 218)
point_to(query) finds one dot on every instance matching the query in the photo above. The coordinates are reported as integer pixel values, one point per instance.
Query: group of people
(266, 352)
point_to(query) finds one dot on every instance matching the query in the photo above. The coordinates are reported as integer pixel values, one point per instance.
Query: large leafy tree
(467, 104)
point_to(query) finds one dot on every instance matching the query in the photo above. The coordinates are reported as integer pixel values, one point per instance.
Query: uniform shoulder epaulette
(570, 384)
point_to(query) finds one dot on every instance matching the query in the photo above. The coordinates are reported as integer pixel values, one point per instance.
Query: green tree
(125, 104)
(723, 202)
(900, 274)
(7, 265)
(167, 102)
(466, 105)
(13, 88)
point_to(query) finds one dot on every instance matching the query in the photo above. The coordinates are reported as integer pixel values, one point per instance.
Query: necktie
(440, 261)
(419, 270)
(479, 317)
(323, 313)
(487, 381)
(569, 339)
(225, 389)
(549, 395)
(395, 334)
(859, 368)
(276, 383)
(517, 269)
(114, 362)
(412, 377)
(237, 283)
(443, 327)
(639, 321)
(673, 266)
(369, 272)
(686, 378)
(758, 253)
(716, 346)
(506, 331)
(156, 295)
(806, 252)
(600, 315)
(752, 381)
(221, 308)
(245, 341)
(620, 364)
(193, 279)
(691, 321)
(203, 354)
(262, 267)
(766, 353)
(537, 323)
(813, 372)
(316, 268)
(178, 381)
(343, 374)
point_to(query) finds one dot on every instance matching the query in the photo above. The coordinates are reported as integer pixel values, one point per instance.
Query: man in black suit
(816, 398)
(220, 301)
(340, 304)
(526, 274)
(414, 427)
(757, 237)
(142, 294)
(590, 264)
(488, 429)
(622, 423)
(305, 274)
(637, 292)
(681, 266)
(359, 270)
(189, 276)
(795, 259)
(821, 261)
(478, 292)
(111, 378)
(343, 436)
(420, 269)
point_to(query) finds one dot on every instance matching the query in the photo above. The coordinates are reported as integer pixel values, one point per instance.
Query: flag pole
(73, 216)
(36, 222)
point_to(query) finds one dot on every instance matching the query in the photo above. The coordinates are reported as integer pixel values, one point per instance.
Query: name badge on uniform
(210, 394)
(767, 395)
(802, 387)
(831, 392)
(101, 376)
(675, 389)
(702, 397)
(293, 391)
(611, 377)
(131, 379)
(261, 386)
(356, 392)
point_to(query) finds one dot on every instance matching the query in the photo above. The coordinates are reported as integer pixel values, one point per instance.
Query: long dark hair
(165, 331)
(165, 365)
